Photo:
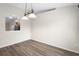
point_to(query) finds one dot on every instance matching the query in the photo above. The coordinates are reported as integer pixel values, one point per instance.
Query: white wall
(58, 28)
(12, 37)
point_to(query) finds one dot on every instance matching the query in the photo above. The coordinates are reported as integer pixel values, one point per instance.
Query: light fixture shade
(32, 15)
(16, 20)
(25, 18)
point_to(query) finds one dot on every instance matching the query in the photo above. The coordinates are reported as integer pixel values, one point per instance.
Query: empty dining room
(39, 29)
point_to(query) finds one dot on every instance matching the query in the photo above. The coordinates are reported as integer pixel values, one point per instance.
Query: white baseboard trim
(59, 47)
(13, 43)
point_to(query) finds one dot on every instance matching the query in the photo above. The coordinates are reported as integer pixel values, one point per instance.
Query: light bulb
(25, 18)
(32, 15)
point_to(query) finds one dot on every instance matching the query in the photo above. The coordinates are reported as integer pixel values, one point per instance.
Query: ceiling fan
(32, 14)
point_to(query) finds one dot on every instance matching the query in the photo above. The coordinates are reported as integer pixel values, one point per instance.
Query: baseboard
(58, 47)
(14, 43)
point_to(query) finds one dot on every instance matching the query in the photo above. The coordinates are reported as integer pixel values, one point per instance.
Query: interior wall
(12, 37)
(58, 28)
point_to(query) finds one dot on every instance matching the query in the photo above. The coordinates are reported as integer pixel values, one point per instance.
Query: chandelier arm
(25, 9)
(32, 11)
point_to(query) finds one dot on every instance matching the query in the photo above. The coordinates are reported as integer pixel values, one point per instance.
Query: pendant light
(29, 15)
(25, 14)
(32, 14)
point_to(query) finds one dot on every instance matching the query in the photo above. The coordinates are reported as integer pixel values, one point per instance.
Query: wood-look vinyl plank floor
(34, 48)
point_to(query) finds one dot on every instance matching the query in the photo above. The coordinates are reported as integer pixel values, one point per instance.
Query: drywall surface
(58, 28)
(12, 37)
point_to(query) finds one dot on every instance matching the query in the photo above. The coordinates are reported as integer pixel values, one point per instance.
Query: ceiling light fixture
(30, 14)
(25, 14)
